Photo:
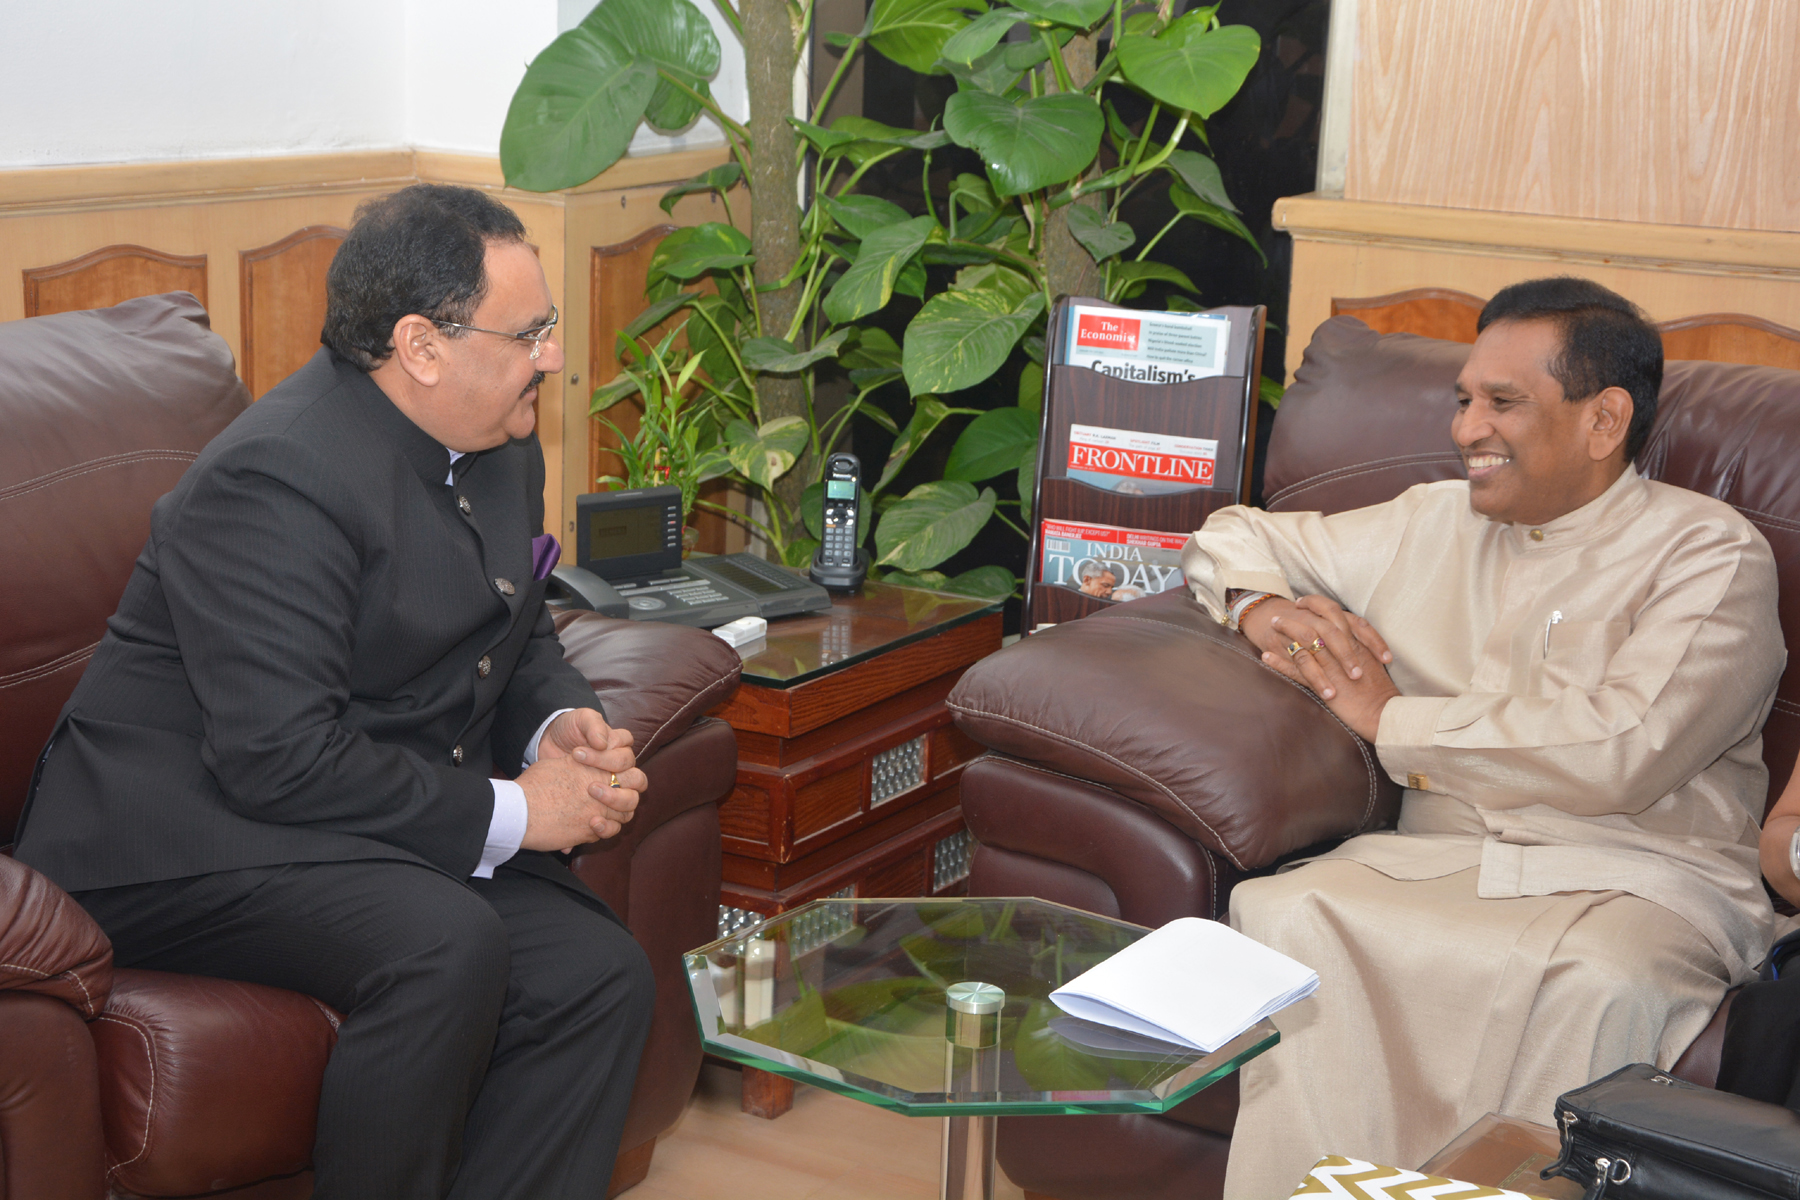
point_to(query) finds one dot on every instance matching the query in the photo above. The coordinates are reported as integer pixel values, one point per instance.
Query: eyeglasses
(534, 335)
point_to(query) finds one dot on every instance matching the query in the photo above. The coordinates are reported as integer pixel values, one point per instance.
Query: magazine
(1109, 563)
(1147, 347)
(1140, 464)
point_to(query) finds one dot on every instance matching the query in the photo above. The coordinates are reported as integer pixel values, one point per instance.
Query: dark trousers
(491, 1031)
(1761, 1055)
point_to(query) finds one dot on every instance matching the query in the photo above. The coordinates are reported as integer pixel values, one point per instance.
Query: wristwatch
(1794, 854)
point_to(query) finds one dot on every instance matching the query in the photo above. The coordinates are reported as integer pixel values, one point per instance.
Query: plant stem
(837, 77)
(745, 519)
(1010, 524)
(1061, 69)
(1159, 236)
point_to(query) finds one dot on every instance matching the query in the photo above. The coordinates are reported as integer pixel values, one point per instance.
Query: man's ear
(1609, 421)
(418, 346)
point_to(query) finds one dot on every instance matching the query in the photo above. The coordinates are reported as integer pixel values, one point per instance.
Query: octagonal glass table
(941, 1008)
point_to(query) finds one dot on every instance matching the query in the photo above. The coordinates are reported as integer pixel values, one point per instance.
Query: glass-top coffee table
(941, 1008)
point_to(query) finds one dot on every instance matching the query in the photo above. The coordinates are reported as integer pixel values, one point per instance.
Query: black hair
(420, 250)
(1606, 342)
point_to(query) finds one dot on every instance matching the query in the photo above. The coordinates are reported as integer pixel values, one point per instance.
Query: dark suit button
(505, 586)
(462, 502)
(484, 666)
(456, 756)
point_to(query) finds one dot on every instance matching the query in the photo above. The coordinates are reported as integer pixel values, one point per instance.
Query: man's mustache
(535, 380)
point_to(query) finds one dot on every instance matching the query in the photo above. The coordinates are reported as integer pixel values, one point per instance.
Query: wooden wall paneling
(1360, 248)
(1429, 312)
(281, 303)
(1732, 337)
(1629, 110)
(616, 295)
(109, 275)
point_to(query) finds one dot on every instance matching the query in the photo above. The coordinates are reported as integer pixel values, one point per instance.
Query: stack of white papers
(1199, 983)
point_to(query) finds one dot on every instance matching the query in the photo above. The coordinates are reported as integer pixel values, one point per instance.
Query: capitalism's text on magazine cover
(1108, 562)
(1147, 347)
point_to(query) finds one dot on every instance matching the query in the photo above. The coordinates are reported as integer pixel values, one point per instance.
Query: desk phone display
(628, 564)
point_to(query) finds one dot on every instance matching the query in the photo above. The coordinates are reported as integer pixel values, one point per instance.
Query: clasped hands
(1341, 657)
(584, 786)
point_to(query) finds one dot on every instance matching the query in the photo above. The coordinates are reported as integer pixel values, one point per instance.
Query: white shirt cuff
(506, 831)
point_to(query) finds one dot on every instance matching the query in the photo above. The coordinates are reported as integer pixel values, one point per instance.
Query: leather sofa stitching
(1352, 470)
(1788, 707)
(1361, 746)
(1781, 523)
(703, 695)
(1212, 876)
(26, 487)
(31, 674)
(150, 1108)
(87, 998)
(1122, 765)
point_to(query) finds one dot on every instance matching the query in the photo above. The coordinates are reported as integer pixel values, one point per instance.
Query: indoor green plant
(799, 290)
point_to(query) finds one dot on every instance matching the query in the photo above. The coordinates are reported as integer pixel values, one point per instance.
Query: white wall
(93, 81)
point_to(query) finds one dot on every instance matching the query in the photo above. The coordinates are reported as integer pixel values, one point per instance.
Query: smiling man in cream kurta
(1568, 666)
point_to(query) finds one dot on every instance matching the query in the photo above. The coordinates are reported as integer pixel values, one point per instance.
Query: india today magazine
(1109, 563)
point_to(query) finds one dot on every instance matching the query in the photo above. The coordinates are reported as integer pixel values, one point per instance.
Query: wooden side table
(848, 780)
(1504, 1152)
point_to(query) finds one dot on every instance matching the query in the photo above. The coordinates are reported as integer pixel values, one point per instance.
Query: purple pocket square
(544, 555)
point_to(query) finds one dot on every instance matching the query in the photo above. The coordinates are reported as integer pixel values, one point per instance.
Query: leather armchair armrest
(1157, 701)
(48, 943)
(652, 678)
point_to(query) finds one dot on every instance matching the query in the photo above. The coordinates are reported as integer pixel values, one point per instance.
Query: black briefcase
(1642, 1134)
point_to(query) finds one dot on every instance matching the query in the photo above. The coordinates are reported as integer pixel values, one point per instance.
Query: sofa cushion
(208, 1084)
(651, 677)
(48, 943)
(103, 411)
(1157, 701)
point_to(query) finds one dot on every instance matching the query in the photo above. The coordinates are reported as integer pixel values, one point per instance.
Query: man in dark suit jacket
(277, 766)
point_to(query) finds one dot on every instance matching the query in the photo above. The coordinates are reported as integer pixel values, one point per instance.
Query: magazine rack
(1221, 408)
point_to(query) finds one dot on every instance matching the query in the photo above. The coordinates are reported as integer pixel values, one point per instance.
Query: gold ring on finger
(1294, 648)
(1318, 644)
(615, 780)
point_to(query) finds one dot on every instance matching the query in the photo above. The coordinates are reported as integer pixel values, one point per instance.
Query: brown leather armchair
(146, 1084)
(1143, 760)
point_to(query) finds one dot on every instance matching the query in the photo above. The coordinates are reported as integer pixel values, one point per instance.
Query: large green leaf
(984, 583)
(869, 283)
(1204, 210)
(1076, 13)
(693, 250)
(928, 413)
(1201, 174)
(989, 73)
(867, 129)
(993, 444)
(764, 454)
(721, 178)
(671, 34)
(1029, 145)
(873, 347)
(1101, 237)
(1189, 66)
(781, 357)
(1136, 276)
(931, 523)
(961, 337)
(574, 112)
(862, 215)
(659, 312)
(981, 35)
(913, 32)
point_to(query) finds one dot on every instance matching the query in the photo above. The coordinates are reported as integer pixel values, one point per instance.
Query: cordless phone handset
(840, 563)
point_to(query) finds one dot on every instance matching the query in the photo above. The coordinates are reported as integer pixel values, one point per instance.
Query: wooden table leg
(766, 1094)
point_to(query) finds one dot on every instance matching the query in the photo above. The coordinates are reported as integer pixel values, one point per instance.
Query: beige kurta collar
(1624, 499)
